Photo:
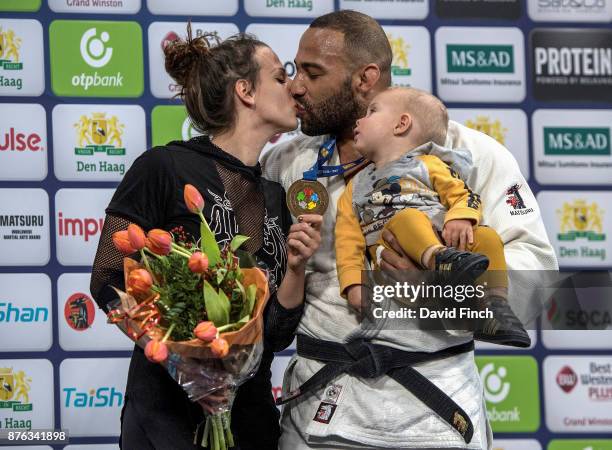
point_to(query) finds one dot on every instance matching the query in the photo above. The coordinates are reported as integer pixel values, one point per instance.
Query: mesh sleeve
(280, 324)
(107, 268)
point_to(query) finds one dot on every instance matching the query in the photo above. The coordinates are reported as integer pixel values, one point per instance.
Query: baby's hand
(353, 294)
(458, 233)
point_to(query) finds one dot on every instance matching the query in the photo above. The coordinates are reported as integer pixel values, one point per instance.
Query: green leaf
(216, 308)
(245, 259)
(251, 293)
(209, 245)
(245, 319)
(238, 240)
(221, 275)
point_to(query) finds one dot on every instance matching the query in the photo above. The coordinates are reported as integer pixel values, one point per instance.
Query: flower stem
(145, 260)
(180, 250)
(169, 332)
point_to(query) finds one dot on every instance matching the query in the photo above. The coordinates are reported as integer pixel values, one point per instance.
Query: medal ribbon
(326, 151)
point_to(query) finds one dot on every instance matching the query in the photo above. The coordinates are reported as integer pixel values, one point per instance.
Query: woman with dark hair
(236, 92)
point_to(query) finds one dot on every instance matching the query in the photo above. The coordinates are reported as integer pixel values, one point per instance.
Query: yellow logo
(491, 128)
(400, 49)
(99, 134)
(9, 50)
(580, 220)
(14, 390)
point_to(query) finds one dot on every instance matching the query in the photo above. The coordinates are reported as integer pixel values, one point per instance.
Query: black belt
(361, 358)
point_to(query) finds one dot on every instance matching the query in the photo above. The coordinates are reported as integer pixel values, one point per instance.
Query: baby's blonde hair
(428, 110)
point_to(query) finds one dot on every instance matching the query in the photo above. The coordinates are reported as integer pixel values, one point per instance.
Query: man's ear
(244, 91)
(403, 124)
(368, 77)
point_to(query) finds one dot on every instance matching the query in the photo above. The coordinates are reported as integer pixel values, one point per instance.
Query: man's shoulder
(298, 145)
(481, 145)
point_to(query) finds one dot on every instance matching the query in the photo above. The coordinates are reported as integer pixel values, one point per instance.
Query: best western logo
(577, 141)
(18, 141)
(480, 58)
(98, 134)
(86, 228)
(10, 45)
(400, 49)
(492, 128)
(15, 396)
(102, 397)
(16, 314)
(567, 379)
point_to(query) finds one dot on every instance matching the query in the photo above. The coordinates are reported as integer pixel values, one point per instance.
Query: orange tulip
(205, 331)
(137, 236)
(156, 351)
(140, 281)
(198, 262)
(193, 199)
(159, 242)
(122, 242)
(219, 347)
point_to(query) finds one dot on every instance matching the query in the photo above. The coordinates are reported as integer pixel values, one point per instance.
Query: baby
(408, 189)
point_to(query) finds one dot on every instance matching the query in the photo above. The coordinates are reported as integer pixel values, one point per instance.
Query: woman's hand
(303, 240)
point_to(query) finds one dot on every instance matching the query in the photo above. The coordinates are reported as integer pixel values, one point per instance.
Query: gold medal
(307, 197)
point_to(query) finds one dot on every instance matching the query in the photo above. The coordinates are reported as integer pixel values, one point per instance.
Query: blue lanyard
(326, 152)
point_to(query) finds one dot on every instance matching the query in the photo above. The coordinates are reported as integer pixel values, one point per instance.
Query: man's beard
(333, 115)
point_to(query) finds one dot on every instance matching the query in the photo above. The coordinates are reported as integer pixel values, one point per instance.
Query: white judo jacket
(379, 412)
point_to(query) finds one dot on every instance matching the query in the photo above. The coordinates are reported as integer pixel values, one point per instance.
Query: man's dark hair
(364, 40)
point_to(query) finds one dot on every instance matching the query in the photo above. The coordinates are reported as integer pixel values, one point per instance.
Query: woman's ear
(244, 91)
(403, 124)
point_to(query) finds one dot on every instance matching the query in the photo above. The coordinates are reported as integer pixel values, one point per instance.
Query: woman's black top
(237, 201)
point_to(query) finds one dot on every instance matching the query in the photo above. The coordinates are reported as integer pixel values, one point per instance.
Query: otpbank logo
(92, 59)
(511, 392)
(170, 123)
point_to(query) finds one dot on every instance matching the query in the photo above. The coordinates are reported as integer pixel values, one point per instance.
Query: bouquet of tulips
(196, 311)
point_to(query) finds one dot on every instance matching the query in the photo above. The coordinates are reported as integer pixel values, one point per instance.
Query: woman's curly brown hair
(207, 69)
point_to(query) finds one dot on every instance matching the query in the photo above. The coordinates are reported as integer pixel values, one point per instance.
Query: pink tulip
(136, 236)
(219, 347)
(122, 242)
(205, 331)
(193, 199)
(156, 351)
(140, 281)
(198, 262)
(159, 242)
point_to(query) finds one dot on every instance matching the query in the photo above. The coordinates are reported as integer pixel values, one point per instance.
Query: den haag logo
(581, 221)
(400, 49)
(306, 5)
(10, 64)
(491, 127)
(79, 311)
(572, 64)
(15, 398)
(99, 134)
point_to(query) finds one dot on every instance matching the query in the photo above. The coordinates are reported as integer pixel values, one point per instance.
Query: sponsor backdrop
(83, 93)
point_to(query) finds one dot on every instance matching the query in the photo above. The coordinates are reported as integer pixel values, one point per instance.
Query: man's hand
(458, 233)
(303, 240)
(353, 293)
(395, 259)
